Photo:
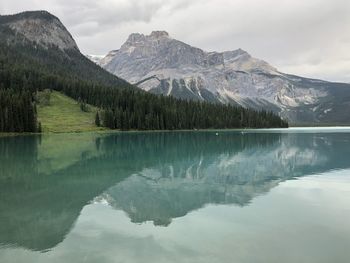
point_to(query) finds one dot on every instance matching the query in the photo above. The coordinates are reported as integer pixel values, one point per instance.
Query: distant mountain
(163, 65)
(95, 58)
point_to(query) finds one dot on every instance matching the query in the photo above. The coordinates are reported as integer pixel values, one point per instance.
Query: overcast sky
(305, 37)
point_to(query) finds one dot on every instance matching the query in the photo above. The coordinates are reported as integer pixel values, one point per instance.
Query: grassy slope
(64, 115)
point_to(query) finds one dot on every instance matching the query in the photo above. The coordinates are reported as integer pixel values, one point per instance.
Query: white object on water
(217, 134)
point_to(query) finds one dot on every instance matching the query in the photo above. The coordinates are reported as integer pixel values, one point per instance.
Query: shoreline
(293, 128)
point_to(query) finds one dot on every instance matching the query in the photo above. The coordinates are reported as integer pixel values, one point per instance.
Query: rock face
(40, 27)
(163, 65)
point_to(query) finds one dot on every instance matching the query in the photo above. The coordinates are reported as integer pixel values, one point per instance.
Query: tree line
(131, 109)
(17, 111)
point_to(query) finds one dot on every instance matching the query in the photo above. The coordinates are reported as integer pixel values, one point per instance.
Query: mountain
(37, 53)
(40, 40)
(95, 58)
(162, 65)
(41, 28)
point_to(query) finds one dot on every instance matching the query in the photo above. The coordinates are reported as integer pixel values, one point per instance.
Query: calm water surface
(263, 196)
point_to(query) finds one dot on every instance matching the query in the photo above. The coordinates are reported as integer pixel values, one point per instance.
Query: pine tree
(97, 120)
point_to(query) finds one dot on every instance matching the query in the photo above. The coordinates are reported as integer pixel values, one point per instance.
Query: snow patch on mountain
(160, 64)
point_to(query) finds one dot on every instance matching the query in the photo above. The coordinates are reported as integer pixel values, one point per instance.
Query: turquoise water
(225, 196)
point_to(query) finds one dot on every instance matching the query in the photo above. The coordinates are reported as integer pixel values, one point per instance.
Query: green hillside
(63, 114)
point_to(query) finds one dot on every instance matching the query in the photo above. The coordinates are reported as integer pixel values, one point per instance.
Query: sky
(309, 38)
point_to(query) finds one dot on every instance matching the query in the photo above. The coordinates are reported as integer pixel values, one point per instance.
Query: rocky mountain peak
(159, 34)
(240, 59)
(163, 65)
(142, 55)
(40, 27)
(135, 37)
(40, 14)
(234, 54)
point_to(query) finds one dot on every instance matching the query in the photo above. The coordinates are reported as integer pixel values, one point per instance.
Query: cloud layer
(309, 38)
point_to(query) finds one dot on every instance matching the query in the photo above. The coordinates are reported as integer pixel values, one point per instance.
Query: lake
(204, 196)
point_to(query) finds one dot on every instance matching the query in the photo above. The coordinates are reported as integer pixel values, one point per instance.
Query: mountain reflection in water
(45, 181)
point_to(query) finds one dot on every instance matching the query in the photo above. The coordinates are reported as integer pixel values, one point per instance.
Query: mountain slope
(163, 65)
(37, 53)
(38, 39)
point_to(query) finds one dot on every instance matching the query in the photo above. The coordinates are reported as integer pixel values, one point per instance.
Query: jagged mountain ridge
(163, 65)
